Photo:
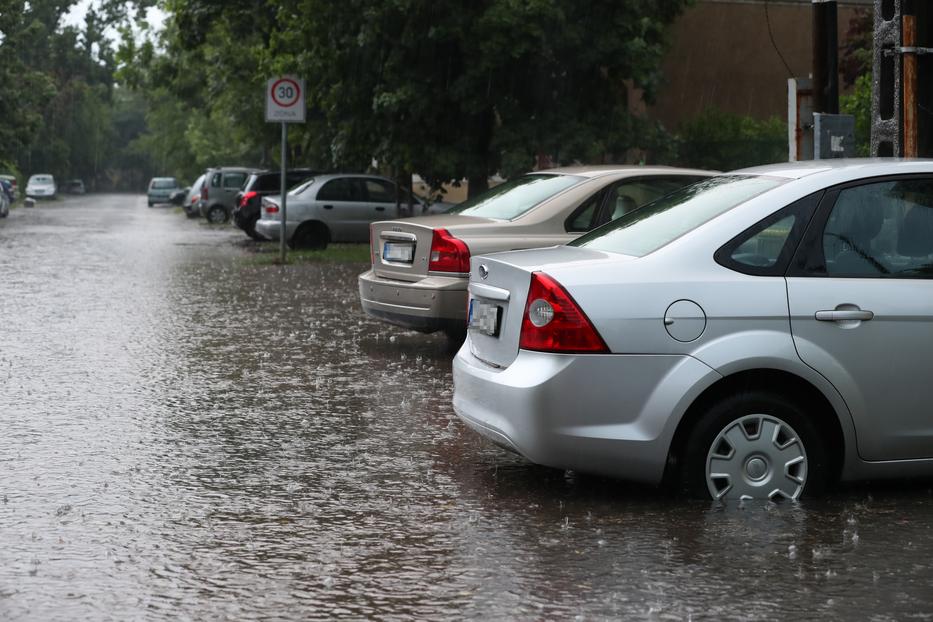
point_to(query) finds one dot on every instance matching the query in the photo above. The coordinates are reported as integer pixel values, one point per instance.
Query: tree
(452, 88)
(445, 88)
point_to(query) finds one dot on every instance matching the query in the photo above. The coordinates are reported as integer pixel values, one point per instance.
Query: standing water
(186, 432)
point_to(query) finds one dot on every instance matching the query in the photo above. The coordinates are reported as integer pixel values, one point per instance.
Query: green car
(161, 189)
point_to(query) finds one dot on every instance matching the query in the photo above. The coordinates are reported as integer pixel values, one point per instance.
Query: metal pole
(283, 196)
(825, 57)
(909, 35)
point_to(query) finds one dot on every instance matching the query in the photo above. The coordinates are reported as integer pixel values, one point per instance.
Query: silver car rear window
(516, 196)
(660, 222)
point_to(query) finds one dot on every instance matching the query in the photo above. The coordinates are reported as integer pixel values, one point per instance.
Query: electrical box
(833, 136)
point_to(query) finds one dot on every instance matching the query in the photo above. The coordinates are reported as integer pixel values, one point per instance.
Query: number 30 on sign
(285, 100)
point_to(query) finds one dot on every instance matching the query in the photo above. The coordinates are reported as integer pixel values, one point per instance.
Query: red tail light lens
(448, 254)
(246, 198)
(270, 208)
(553, 322)
(372, 245)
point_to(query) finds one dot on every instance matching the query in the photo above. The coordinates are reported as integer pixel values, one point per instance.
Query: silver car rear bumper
(429, 304)
(607, 414)
(270, 229)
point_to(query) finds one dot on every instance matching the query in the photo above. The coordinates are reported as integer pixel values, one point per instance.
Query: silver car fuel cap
(685, 320)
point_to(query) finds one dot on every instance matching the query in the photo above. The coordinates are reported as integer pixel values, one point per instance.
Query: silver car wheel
(216, 216)
(756, 457)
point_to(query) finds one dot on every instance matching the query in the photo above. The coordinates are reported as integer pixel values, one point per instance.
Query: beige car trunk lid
(401, 249)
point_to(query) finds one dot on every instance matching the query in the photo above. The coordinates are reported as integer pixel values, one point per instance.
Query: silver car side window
(340, 189)
(881, 230)
(763, 249)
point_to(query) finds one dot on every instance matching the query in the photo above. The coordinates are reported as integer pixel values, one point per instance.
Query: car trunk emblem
(483, 271)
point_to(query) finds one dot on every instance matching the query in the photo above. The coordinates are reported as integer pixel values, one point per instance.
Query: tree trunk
(477, 184)
(478, 175)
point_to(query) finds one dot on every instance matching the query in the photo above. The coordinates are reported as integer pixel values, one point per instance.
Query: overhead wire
(790, 74)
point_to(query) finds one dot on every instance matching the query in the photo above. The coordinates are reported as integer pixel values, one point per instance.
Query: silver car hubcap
(756, 457)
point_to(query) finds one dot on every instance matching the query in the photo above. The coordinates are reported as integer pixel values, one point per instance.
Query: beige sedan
(421, 265)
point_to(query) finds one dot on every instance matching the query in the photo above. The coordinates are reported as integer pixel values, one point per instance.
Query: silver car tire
(756, 445)
(217, 215)
(312, 235)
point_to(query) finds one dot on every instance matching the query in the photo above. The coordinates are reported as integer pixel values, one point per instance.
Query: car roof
(598, 170)
(329, 176)
(854, 168)
(305, 171)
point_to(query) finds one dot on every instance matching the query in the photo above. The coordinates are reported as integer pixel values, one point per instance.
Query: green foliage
(725, 141)
(858, 104)
(57, 102)
(445, 88)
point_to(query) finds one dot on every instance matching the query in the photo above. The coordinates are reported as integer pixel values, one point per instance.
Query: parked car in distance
(6, 197)
(760, 334)
(218, 192)
(11, 179)
(161, 189)
(41, 186)
(332, 208)
(192, 198)
(74, 186)
(178, 197)
(421, 265)
(259, 184)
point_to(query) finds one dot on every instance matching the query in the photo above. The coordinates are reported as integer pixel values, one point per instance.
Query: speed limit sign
(285, 100)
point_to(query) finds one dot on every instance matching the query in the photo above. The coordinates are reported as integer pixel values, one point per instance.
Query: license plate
(485, 317)
(393, 251)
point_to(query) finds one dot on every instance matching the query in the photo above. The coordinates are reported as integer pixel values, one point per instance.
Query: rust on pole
(909, 63)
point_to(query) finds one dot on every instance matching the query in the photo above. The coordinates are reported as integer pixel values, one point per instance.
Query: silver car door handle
(843, 315)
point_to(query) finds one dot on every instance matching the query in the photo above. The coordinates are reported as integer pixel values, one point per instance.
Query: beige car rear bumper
(430, 304)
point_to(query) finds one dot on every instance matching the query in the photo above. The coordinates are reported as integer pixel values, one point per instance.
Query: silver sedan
(761, 334)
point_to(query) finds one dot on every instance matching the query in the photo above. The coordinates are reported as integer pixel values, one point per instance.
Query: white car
(41, 186)
(760, 334)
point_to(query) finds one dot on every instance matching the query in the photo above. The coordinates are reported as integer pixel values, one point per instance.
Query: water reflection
(189, 434)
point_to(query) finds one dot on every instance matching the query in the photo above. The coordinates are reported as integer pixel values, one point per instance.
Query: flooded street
(187, 433)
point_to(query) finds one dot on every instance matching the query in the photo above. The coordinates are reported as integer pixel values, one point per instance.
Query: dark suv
(246, 211)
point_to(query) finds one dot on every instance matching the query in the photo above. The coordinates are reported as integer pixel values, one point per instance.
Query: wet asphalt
(188, 433)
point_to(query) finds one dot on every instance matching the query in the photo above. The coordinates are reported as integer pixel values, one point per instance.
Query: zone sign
(285, 100)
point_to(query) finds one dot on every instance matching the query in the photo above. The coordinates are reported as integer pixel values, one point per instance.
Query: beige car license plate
(394, 251)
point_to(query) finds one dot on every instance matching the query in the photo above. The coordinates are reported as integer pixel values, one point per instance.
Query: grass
(267, 253)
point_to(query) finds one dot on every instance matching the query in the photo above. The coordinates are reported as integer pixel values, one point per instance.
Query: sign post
(285, 103)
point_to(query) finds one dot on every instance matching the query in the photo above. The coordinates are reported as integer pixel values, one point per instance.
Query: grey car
(219, 190)
(160, 189)
(332, 208)
(419, 273)
(761, 334)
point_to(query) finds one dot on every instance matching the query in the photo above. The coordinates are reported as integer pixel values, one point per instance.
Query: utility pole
(825, 57)
(909, 62)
